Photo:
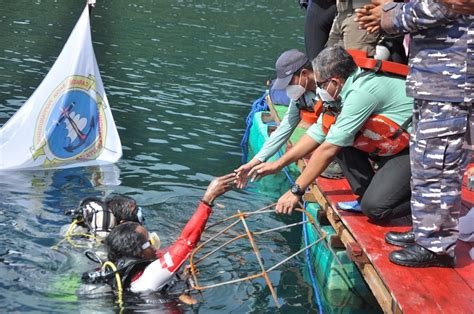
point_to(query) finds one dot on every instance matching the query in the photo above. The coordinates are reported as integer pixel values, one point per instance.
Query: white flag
(67, 122)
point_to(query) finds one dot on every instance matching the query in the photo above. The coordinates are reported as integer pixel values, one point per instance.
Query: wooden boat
(361, 247)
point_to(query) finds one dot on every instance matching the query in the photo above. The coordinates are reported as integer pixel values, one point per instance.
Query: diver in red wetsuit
(142, 267)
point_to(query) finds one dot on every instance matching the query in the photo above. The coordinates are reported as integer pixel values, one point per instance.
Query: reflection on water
(180, 77)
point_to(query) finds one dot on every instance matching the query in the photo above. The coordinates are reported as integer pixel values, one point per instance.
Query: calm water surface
(180, 77)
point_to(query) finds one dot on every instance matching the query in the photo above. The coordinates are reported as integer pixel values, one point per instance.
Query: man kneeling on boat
(295, 75)
(140, 265)
(365, 121)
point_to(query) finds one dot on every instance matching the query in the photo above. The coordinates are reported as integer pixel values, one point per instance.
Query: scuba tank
(118, 275)
(94, 214)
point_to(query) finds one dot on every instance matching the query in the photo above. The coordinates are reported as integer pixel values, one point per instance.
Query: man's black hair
(122, 206)
(306, 66)
(124, 241)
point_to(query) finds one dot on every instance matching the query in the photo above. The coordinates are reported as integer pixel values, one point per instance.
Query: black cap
(287, 64)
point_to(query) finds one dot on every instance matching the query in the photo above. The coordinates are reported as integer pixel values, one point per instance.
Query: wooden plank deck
(412, 290)
(397, 289)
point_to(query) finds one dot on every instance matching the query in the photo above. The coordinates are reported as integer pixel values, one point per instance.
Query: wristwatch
(296, 190)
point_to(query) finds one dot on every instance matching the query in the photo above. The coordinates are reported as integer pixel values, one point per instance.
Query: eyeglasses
(320, 84)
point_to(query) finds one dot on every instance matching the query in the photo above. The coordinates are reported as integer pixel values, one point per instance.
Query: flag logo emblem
(71, 125)
(67, 121)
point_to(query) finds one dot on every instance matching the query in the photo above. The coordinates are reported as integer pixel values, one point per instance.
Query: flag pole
(91, 4)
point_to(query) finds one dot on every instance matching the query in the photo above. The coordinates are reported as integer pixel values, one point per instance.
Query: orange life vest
(312, 116)
(362, 61)
(379, 135)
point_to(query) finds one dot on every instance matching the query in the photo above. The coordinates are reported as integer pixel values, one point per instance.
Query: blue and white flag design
(67, 122)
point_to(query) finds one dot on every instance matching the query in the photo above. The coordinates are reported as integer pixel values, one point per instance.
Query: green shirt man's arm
(282, 134)
(320, 159)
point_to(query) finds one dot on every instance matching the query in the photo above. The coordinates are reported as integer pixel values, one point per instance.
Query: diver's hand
(264, 169)
(219, 186)
(243, 172)
(286, 203)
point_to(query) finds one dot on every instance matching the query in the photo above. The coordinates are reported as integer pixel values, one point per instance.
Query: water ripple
(180, 77)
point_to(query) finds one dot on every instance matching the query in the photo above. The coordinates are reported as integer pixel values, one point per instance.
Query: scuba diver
(135, 262)
(96, 218)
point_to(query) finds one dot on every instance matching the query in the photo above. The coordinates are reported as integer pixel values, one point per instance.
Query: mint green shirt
(368, 95)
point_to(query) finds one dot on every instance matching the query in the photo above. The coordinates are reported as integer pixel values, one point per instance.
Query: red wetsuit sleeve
(190, 236)
(170, 259)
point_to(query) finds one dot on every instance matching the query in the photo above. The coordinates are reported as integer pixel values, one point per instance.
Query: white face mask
(296, 91)
(307, 100)
(324, 95)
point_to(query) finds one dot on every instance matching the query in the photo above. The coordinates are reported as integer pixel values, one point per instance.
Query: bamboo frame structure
(240, 218)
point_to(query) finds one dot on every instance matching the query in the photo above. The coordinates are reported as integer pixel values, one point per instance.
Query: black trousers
(383, 194)
(319, 17)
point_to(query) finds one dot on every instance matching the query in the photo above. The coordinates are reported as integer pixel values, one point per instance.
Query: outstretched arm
(304, 146)
(191, 233)
(318, 162)
(276, 140)
(158, 273)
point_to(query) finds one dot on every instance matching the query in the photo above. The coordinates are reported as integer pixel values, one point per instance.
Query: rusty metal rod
(240, 236)
(259, 259)
(320, 230)
(191, 264)
(217, 234)
(236, 215)
(281, 227)
(249, 234)
(296, 253)
(228, 282)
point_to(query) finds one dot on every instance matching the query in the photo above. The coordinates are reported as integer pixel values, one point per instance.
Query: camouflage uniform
(441, 81)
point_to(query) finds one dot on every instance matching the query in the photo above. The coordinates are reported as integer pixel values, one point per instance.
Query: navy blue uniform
(441, 81)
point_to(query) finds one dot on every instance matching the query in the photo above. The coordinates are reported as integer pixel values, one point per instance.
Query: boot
(417, 256)
(402, 239)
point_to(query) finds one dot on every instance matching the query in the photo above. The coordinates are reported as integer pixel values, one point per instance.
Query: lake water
(180, 77)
